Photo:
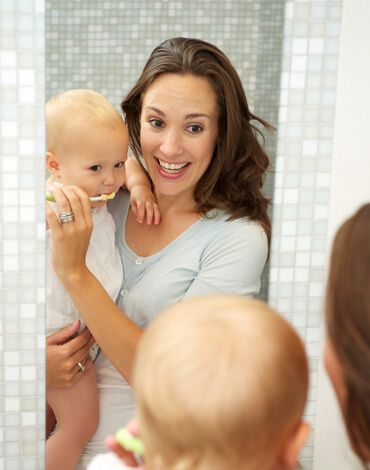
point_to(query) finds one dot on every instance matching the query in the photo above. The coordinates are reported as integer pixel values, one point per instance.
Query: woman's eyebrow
(156, 110)
(196, 115)
(188, 116)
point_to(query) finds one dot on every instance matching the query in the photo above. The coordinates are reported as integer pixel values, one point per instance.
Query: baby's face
(94, 160)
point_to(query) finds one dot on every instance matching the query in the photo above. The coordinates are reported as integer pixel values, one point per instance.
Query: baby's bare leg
(76, 412)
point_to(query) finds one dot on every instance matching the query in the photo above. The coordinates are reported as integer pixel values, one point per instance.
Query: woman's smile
(171, 170)
(179, 125)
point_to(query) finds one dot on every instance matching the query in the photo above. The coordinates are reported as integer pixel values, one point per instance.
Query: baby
(87, 143)
(221, 383)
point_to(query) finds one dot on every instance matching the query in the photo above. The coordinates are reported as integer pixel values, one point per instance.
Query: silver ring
(66, 217)
(81, 366)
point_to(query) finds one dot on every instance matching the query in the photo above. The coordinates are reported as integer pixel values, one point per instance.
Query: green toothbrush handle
(129, 442)
(49, 196)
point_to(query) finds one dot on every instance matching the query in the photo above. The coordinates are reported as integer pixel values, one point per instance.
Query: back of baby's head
(69, 112)
(220, 382)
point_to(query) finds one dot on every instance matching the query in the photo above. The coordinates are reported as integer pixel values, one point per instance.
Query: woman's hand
(70, 240)
(64, 352)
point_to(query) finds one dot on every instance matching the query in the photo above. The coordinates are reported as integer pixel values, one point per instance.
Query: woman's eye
(119, 165)
(195, 128)
(96, 168)
(156, 123)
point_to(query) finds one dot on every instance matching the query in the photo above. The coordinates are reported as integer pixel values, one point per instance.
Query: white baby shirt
(102, 259)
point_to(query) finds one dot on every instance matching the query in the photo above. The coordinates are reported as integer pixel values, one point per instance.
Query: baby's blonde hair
(67, 111)
(221, 381)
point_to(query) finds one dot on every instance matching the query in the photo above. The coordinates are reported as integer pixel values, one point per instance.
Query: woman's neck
(178, 204)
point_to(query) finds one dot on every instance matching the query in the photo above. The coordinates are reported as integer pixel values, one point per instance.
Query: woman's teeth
(172, 167)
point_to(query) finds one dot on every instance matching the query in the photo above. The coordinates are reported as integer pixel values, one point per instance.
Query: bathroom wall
(350, 188)
(302, 178)
(22, 228)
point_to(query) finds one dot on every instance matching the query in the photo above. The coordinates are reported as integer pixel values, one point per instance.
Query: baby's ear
(292, 448)
(52, 164)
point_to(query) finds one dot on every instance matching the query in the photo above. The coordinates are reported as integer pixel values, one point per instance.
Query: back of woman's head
(348, 323)
(234, 179)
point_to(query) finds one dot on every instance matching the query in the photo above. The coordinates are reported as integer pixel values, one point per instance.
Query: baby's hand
(126, 455)
(143, 203)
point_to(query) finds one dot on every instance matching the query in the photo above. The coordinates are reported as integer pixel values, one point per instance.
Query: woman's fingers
(80, 342)
(58, 368)
(57, 190)
(85, 203)
(79, 203)
(82, 355)
(65, 334)
(77, 372)
(62, 371)
(72, 199)
(79, 350)
(70, 237)
(62, 360)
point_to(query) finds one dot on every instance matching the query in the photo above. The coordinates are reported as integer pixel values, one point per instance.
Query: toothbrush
(130, 442)
(102, 197)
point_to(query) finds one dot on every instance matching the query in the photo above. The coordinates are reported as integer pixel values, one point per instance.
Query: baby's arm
(142, 197)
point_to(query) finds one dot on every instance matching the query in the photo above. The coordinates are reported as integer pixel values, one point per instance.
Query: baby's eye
(195, 128)
(119, 165)
(158, 124)
(96, 168)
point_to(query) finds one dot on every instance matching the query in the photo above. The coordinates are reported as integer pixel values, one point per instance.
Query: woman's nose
(171, 144)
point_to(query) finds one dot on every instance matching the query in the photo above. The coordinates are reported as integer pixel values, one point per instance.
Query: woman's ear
(292, 448)
(52, 164)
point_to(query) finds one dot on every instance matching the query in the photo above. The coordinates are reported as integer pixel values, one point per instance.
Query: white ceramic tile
(299, 46)
(290, 196)
(299, 63)
(21, 131)
(288, 244)
(304, 179)
(309, 147)
(301, 274)
(316, 46)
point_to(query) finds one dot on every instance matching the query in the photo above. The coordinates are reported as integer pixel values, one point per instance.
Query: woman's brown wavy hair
(348, 323)
(234, 179)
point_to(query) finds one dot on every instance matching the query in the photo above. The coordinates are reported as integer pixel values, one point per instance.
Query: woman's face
(178, 132)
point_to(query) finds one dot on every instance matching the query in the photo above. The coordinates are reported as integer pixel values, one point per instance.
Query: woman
(347, 352)
(189, 119)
